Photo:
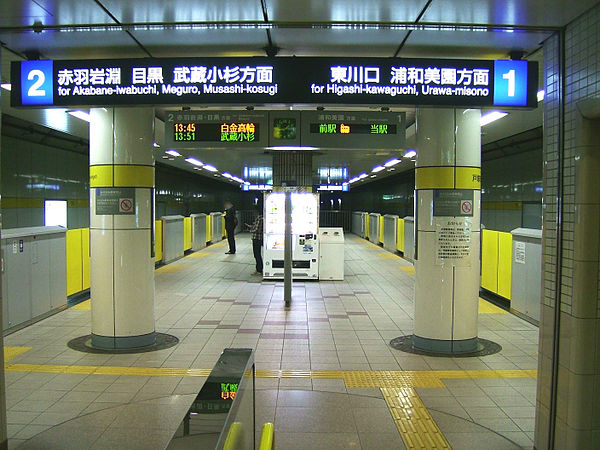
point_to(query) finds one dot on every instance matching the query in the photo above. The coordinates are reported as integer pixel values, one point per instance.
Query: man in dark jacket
(257, 238)
(230, 224)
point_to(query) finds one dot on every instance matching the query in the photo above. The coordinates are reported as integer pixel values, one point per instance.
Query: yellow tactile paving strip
(416, 426)
(352, 378)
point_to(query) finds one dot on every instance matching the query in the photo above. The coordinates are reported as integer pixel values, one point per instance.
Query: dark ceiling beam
(271, 49)
(261, 24)
(409, 32)
(140, 45)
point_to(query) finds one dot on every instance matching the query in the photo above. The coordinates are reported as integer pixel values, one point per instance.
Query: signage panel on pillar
(287, 80)
(216, 129)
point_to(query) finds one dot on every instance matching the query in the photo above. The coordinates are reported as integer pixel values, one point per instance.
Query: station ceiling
(88, 29)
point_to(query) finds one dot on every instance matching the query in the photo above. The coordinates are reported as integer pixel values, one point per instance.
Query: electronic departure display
(352, 128)
(239, 132)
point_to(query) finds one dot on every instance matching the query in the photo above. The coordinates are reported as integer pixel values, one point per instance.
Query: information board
(353, 129)
(453, 241)
(216, 129)
(115, 201)
(257, 80)
(520, 252)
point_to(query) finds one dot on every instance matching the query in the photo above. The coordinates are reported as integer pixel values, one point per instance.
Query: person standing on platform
(257, 239)
(230, 224)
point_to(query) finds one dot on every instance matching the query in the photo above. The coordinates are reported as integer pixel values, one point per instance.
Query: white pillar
(447, 216)
(121, 231)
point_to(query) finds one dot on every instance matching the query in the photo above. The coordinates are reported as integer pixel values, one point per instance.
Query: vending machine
(305, 229)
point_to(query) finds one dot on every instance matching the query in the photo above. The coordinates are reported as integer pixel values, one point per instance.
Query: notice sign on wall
(453, 241)
(453, 202)
(520, 252)
(115, 201)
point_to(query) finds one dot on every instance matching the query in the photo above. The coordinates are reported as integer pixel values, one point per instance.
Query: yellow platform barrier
(208, 229)
(158, 254)
(74, 261)
(504, 264)
(381, 228)
(400, 236)
(187, 233)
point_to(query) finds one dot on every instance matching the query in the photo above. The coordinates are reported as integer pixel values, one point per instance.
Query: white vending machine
(305, 228)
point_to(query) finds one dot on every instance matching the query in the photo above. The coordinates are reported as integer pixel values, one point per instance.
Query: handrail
(234, 436)
(267, 437)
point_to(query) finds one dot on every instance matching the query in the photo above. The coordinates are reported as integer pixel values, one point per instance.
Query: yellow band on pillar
(447, 177)
(468, 178)
(434, 177)
(121, 176)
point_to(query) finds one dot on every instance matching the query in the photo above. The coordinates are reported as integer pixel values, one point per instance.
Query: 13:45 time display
(183, 127)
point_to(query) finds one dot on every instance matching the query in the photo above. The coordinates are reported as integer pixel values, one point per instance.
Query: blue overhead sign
(37, 83)
(368, 81)
(510, 83)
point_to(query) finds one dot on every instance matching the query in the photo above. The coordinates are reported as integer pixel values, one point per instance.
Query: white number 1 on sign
(510, 76)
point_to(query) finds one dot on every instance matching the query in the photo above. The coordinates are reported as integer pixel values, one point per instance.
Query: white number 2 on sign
(34, 90)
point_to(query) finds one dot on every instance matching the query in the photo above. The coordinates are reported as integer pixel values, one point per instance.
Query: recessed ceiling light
(80, 115)
(210, 168)
(291, 148)
(6, 86)
(392, 162)
(540, 95)
(194, 161)
(410, 153)
(492, 116)
(377, 169)
(173, 152)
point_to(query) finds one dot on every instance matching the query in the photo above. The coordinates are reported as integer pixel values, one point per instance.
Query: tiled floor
(211, 301)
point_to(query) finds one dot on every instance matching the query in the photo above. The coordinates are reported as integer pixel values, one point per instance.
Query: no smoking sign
(126, 205)
(466, 206)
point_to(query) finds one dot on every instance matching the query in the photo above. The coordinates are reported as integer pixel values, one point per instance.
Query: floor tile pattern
(333, 339)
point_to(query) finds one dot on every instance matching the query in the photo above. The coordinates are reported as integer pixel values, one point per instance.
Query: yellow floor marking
(388, 255)
(416, 426)
(170, 268)
(486, 307)
(408, 269)
(197, 255)
(221, 244)
(83, 306)
(13, 352)
(352, 378)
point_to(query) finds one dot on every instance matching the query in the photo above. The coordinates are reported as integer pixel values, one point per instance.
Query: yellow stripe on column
(434, 177)
(468, 178)
(121, 176)
(448, 177)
